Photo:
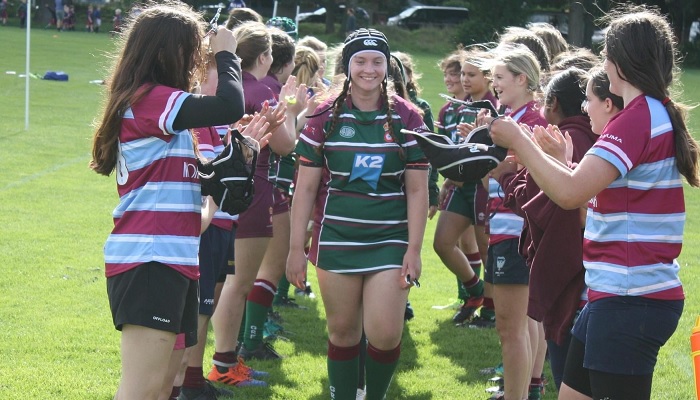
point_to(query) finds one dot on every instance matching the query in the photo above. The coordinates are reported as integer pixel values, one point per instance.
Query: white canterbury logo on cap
(370, 42)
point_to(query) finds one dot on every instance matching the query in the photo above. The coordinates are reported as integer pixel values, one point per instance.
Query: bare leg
(450, 227)
(511, 324)
(145, 356)
(227, 318)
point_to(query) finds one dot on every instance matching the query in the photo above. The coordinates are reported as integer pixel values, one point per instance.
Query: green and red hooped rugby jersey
(360, 221)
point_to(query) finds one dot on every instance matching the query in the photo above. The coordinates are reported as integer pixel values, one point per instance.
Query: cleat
(233, 376)
(274, 316)
(479, 322)
(408, 313)
(247, 370)
(289, 303)
(219, 391)
(271, 329)
(467, 311)
(263, 352)
(206, 392)
(498, 370)
(495, 389)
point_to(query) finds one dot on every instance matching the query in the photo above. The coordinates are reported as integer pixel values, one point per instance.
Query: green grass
(56, 335)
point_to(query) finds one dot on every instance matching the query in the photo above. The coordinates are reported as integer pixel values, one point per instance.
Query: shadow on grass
(472, 349)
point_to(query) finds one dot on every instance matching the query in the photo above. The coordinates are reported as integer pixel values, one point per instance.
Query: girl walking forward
(368, 182)
(631, 181)
(144, 137)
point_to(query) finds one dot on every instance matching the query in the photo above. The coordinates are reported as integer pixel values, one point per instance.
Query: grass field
(56, 335)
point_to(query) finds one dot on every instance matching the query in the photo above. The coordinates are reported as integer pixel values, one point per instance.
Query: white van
(420, 16)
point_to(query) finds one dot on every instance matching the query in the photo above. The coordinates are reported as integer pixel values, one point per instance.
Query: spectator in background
(117, 21)
(3, 12)
(90, 25)
(97, 18)
(22, 13)
(350, 22)
(60, 13)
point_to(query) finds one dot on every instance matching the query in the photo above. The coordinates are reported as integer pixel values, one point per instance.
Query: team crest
(500, 262)
(387, 133)
(347, 132)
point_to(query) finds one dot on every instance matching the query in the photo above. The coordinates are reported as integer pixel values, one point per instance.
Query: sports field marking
(45, 172)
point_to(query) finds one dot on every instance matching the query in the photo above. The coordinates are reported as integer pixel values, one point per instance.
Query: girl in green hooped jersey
(368, 183)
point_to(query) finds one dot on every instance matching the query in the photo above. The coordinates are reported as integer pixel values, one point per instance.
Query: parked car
(421, 16)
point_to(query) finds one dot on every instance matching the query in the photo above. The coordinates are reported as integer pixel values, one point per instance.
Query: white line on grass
(43, 173)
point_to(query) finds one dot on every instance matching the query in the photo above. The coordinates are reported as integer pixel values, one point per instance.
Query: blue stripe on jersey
(613, 155)
(633, 227)
(506, 224)
(141, 153)
(657, 175)
(167, 118)
(634, 281)
(660, 121)
(159, 196)
(125, 249)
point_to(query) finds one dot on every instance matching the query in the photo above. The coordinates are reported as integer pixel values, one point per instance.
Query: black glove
(228, 178)
(459, 162)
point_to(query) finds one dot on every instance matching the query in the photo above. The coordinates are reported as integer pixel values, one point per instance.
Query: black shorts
(505, 265)
(213, 262)
(155, 296)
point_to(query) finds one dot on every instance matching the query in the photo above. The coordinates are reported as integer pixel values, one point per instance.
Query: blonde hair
(253, 39)
(306, 65)
(519, 60)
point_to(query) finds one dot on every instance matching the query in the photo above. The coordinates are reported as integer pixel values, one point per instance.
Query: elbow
(569, 201)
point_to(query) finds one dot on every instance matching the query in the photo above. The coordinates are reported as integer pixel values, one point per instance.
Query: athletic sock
(194, 378)
(380, 366)
(282, 290)
(488, 310)
(259, 302)
(461, 291)
(343, 371)
(175, 393)
(474, 286)
(225, 360)
(475, 262)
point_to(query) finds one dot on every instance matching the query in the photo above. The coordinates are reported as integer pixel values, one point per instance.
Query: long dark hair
(566, 86)
(641, 45)
(161, 46)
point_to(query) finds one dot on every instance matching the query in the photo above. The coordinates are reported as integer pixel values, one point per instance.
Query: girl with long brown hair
(144, 137)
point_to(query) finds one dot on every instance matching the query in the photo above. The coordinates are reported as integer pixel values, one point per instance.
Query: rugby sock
(488, 310)
(474, 286)
(475, 262)
(536, 387)
(461, 291)
(343, 371)
(380, 367)
(282, 290)
(222, 361)
(175, 393)
(259, 302)
(194, 378)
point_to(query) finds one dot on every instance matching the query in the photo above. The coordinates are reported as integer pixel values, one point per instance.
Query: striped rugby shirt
(210, 146)
(634, 227)
(158, 216)
(360, 221)
(505, 224)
